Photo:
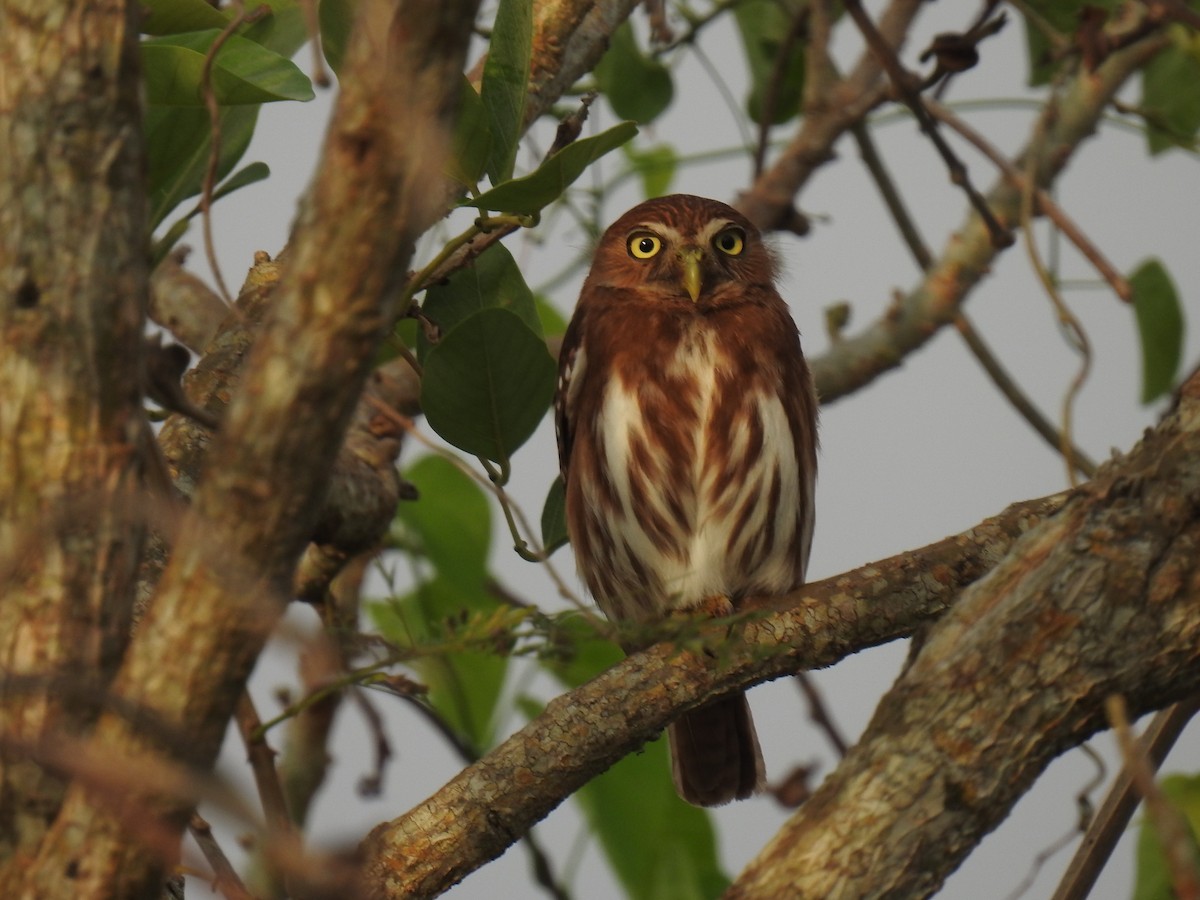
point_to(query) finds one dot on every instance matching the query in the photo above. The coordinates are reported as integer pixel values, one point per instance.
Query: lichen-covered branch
(1102, 598)
(492, 803)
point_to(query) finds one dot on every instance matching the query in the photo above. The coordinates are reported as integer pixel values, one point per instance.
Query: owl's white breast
(732, 537)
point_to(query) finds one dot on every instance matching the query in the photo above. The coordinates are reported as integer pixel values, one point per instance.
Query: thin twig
(903, 82)
(312, 24)
(1015, 396)
(819, 715)
(770, 97)
(1072, 329)
(982, 353)
(437, 268)
(214, 151)
(262, 764)
(1045, 203)
(1083, 803)
(263, 873)
(1173, 831)
(713, 71)
(981, 28)
(463, 248)
(371, 785)
(696, 24)
(225, 877)
(891, 196)
(1110, 821)
(519, 523)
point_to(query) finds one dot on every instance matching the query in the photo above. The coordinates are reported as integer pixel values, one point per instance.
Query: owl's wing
(571, 361)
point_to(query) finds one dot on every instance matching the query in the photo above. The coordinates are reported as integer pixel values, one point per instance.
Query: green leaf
(248, 175)
(162, 245)
(464, 686)
(407, 331)
(1063, 17)
(581, 654)
(451, 524)
(655, 166)
(528, 195)
(175, 16)
(471, 146)
(244, 72)
(637, 87)
(1171, 98)
(336, 18)
(283, 31)
(553, 323)
(451, 521)
(665, 852)
(763, 25)
(1153, 880)
(1160, 327)
(487, 384)
(554, 517)
(505, 76)
(178, 139)
(492, 280)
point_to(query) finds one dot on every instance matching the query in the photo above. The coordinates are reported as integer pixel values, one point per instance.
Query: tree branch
(857, 360)
(1097, 600)
(255, 509)
(74, 443)
(1096, 595)
(1109, 823)
(769, 201)
(490, 804)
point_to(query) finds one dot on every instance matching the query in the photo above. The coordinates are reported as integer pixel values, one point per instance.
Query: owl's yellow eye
(643, 246)
(731, 241)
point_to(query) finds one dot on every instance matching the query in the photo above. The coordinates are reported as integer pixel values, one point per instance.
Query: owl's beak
(689, 260)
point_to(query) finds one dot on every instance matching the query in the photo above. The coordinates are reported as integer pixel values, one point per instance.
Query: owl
(687, 439)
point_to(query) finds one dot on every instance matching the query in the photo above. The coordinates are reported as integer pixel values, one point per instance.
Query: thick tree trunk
(1101, 599)
(72, 293)
(255, 509)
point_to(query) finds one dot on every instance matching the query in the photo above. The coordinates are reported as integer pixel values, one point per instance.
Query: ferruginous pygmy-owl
(687, 437)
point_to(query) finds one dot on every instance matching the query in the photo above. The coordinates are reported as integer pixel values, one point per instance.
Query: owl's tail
(715, 756)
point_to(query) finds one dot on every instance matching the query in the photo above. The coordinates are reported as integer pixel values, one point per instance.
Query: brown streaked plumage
(687, 439)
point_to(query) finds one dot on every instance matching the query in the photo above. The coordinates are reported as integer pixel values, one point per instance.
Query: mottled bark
(259, 498)
(1103, 598)
(72, 293)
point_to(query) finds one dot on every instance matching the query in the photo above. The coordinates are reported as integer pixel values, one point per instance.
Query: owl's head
(683, 247)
